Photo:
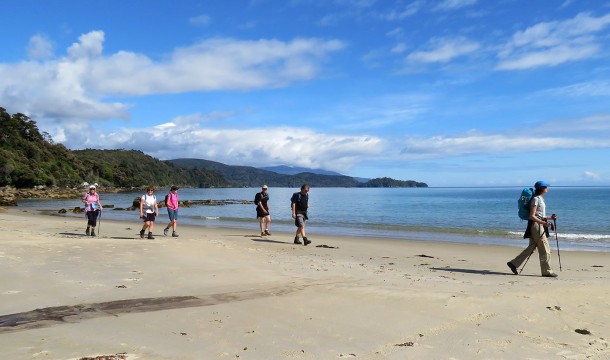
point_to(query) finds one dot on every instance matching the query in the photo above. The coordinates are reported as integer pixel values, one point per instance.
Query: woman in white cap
(537, 231)
(92, 209)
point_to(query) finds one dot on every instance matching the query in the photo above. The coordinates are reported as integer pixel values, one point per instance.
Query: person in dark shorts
(299, 204)
(262, 210)
(149, 210)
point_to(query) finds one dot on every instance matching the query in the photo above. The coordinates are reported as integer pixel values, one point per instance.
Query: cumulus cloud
(77, 85)
(441, 50)
(553, 43)
(281, 145)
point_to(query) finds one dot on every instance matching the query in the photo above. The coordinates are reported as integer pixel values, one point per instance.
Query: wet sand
(230, 294)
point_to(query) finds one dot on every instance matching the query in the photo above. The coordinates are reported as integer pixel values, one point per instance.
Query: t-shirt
(301, 201)
(172, 201)
(263, 199)
(540, 206)
(92, 200)
(149, 203)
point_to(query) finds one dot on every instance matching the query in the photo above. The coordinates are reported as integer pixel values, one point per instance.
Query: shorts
(173, 214)
(300, 220)
(149, 217)
(260, 214)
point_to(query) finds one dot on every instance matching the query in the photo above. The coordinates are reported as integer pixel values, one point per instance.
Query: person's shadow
(471, 271)
(271, 241)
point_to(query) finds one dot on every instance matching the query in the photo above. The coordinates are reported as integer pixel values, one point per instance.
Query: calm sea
(469, 215)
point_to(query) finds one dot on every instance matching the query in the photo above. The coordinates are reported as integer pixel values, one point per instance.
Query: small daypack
(524, 203)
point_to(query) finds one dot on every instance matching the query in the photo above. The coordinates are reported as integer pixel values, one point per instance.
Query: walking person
(262, 210)
(149, 210)
(93, 207)
(299, 204)
(171, 202)
(537, 231)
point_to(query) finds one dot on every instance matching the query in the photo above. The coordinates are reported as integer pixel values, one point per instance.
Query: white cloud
(407, 11)
(585, 89)
(200, 20)
(444, 50)
(76, 85)
(39, 48)
(454, 4)
(492, 144)
(281, 145)
(553, 43)
(399, 48)
(88, 45)
(592, 175)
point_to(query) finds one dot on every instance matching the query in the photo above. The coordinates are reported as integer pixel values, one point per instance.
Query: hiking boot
(93, 232)
(267, 232)
(306, 242)
(512, 268)
(87, 231)
(165, 231)
(263, 233)
(150, 236)
(142, 234)
(175, 234)
(553, 275)
(297, 241)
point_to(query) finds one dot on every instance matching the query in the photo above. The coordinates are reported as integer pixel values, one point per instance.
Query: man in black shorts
(299, 204)
(262, 210)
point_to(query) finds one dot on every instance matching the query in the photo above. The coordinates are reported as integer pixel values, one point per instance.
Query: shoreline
(441, 236)
(228, 293)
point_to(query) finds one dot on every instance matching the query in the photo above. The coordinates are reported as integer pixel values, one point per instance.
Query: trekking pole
(528, 258)
(530, 255)
(557, 240)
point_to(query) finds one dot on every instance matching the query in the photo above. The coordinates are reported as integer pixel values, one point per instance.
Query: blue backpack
(524, 203)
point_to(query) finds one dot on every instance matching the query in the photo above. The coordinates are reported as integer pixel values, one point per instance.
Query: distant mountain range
(293, 170)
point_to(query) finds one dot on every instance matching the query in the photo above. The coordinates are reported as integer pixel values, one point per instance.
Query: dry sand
(230, 294)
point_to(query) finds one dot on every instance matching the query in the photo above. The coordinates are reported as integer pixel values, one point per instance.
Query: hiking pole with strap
(99, 223)
(557, 240)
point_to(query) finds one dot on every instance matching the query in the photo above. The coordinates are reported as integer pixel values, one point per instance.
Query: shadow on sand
(271, 241)
(473, 271)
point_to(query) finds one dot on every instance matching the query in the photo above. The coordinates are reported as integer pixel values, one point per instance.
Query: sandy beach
(230, 294)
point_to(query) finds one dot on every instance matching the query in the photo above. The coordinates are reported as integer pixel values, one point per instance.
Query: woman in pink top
(172, 210)
(92, 209)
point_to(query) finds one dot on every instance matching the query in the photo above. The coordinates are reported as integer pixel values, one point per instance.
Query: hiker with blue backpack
(537, 228)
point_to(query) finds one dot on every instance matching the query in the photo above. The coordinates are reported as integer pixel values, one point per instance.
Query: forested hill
(30, 158)
(252, 177)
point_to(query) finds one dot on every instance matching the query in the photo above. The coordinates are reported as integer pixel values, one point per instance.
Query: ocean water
(469, 215)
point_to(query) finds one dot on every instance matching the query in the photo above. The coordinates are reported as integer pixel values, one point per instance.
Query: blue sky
(449, 92)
